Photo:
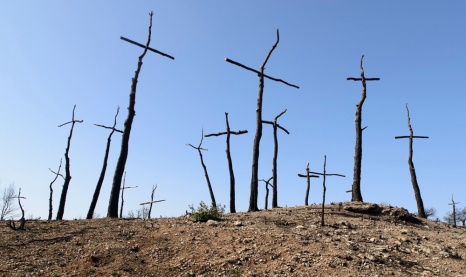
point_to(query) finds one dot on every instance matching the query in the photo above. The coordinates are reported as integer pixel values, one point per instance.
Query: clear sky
(55, 54)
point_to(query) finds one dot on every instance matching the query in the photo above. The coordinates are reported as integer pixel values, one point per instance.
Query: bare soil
(357, 240)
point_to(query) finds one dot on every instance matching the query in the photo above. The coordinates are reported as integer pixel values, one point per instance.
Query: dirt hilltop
(358, 240)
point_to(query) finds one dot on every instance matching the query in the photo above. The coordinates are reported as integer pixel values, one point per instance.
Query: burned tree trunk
(51, 189)
(267, 184)
(412, 171)
(308, 176)
(275, 157)
(258, 135)
(230, 163)
(212, 196)
(90, 213)
(61, 207)
(120, 167)
(356, 189)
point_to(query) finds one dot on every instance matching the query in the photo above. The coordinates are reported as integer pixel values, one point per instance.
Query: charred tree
(267, 184)
(275, 157)
(22, 220)
(453, 203)
(324, 175)
(417, 192)
(356, 189)
(61, 207)
(258, 135)
(230, 163)
(198, 148)
(120, 167)
(308, 176)
(51, 189)
(90, 213)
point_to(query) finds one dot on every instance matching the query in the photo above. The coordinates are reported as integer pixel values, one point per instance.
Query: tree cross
(324, 174)
(258, 135)
(230, 163)
(308, 176)
(267, 184)
(453, 203)
(275, 155)
(356, 188)
(121, 163)
(417, 192)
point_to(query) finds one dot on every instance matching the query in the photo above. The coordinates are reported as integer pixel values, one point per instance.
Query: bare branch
(151, 49)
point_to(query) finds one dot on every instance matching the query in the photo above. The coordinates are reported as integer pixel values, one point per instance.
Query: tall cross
(275, 156)
(453, 203)
(308, 176)
(412, 171)
(356, 188)
(325, 174)
(258, 135)
(230, 163)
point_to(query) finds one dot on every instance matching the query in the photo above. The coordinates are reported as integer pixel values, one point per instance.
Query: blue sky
(57, 54)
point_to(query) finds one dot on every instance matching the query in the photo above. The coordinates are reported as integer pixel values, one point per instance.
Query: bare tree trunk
(267, 184)
(154, 187)
(308, 188)
(230, 168)
(417, 192)
(120, 168)
(61, 207)
(90, 213)
(212, 196)
(122, 198)
(258, 135)
(323, 192)
(356, 190)
(51, 190)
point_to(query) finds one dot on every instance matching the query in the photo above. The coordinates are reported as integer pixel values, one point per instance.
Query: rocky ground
(357, 240)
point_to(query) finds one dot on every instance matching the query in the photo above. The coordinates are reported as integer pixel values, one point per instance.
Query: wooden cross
(356, 188)
(417, 192)
(325, 174)
(267, 184)
(258, 135)
(308, 176)
(230, 163)
(275, 155)
(453, 203)
(122, 192)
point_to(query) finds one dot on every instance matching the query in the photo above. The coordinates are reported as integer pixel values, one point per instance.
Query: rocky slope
(357, 240)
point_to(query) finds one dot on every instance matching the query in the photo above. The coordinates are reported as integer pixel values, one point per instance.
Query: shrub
(204, 213)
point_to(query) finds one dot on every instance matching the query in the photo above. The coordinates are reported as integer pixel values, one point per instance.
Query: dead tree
(275, 156)
(324, 175)
(230, 163)
(61, 207)
(453, 203)
(120, 167)
(308, 176)
(152, 201)
(122, 193)
(417, 192)
(22, 220)
(258, 135)
(51, 189)
(212, 196)
(95, 197)
(267, 184)
(356, 189)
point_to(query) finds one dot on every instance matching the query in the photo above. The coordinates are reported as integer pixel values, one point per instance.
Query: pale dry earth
(358, 240)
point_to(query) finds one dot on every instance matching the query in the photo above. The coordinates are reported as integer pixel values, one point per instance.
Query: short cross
(417, 192)
(308, 176)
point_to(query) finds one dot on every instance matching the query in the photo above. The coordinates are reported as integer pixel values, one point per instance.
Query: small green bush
(204, 213)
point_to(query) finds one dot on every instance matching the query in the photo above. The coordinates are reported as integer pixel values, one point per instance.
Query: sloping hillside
(358, 240)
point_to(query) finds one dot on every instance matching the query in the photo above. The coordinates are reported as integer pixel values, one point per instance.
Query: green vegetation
(204, 213)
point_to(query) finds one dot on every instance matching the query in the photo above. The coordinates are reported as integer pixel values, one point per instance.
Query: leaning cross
(417, 192)
(308, 176)
(230, 163)
(258, 135)
(324, 174)
(356, 188)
